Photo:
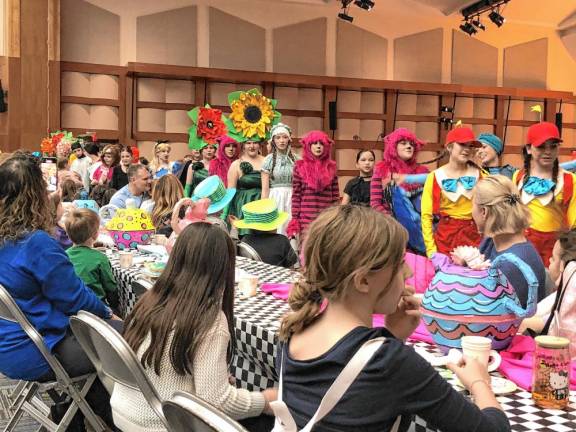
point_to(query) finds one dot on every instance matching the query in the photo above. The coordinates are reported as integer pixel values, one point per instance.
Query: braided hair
(274, 156)
(528, 162)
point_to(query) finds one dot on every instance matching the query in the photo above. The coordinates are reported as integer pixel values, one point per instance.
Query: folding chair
(114, 360)
(247, 251)
(185, 413)
(141, 286)
(25, 396)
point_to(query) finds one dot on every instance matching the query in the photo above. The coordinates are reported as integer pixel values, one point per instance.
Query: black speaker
(558, 121)
(332, 116)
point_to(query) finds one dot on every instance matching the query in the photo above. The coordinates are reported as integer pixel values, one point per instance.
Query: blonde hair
(167, 191)
(81, 224)
(505, 213)
(157, 149)
(343, 242)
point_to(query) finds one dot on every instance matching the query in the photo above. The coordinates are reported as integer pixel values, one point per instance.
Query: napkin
(278, 290)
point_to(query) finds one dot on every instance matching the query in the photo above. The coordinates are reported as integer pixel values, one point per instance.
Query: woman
(244, 175)
(502, 219)
(228, 152)
(198, 171)
(166, 193)
(161, 164)
(102, 175)
(39, 276)
(359, 272)
(546, 189)
(120, 173)
(181, 329)
(277, 171)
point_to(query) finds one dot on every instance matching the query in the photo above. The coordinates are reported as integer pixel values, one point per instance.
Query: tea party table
(257, 321)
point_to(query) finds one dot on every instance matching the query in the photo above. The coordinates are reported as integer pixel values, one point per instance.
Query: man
(139, 182)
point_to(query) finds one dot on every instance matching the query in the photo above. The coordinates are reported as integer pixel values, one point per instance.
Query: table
(257, 320)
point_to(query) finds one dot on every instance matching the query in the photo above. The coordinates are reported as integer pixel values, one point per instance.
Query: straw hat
(261, 215)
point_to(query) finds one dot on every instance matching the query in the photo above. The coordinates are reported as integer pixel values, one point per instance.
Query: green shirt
(93, 268)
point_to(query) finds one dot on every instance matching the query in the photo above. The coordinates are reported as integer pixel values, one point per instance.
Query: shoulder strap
(559, 298)
(568, 188)
(436, 195)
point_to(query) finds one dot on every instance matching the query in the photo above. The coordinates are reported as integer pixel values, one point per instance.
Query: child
(401, 149)
(103, 173)
(315, 182)
(357, 272)
(57, 211)
(357, 190)
(277, 170)
(263, 219)
(489, 155)
(90, 265)
(546, 189)
(180, 330)
(448, 194)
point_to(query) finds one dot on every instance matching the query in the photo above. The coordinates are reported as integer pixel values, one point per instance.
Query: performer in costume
(546, 189)
(400, 150)
(277, 171)
(315, 182)
(161, 164)
(448, 193)
(489, 155)
(228, 152)
(198, 171)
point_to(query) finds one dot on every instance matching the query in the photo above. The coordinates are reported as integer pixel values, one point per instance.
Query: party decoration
(130, 227)
(58, 144)
(207, 125)
(461, 301)
(252, 116)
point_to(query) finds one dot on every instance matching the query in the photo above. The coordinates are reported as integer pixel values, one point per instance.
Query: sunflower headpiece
(252, 116)
(207, 125)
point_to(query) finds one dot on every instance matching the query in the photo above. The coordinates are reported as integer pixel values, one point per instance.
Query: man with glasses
(137, 189)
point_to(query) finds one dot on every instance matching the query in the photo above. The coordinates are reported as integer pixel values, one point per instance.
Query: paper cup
(248, 286)
(126, 259)
(479, 348)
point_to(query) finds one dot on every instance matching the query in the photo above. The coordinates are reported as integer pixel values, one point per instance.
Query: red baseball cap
(462, 135)
(539, 133)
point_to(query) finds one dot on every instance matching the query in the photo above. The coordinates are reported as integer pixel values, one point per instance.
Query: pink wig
(316, 172)
(391, 163)
(221, 163)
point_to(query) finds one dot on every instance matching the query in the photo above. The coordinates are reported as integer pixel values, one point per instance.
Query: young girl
(161, 164)
(357, 190)
(448, 194)
(120, 173)
(244, 175)
(181, 329)
(546, 189)
(277, 170)
(57, 212)
(401, 148)
(502, 219)
(165, 195)
(489, 155)
(315, 182)
(228, 152)
(103, 173)
(198, 171)
(359, 272)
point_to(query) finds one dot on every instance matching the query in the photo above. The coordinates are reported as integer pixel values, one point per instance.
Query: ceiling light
(364, 4)
(468, 28)
(496, 18)
(344, 16)
(478, 24)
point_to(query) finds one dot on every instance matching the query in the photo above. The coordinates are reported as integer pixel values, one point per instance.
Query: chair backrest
(185, 412)
(141, 286)
(113, 358)
(10, 311)
(247, 251)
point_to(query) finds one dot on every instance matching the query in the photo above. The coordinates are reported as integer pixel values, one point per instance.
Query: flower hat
(207, 125)
(213, 188)
(261, 215)
(252, 116)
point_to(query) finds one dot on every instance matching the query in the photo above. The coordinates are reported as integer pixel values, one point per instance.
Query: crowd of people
(351, 250)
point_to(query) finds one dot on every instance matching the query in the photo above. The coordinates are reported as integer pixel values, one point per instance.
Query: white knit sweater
(209, 381)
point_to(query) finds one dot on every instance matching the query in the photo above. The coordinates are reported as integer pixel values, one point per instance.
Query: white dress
(280, 184)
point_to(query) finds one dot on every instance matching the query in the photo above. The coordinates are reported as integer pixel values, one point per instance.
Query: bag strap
(559, 298)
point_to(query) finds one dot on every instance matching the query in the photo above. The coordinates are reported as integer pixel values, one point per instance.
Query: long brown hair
(342, 242)
(167, 191)
(196, 285)
(23, 198)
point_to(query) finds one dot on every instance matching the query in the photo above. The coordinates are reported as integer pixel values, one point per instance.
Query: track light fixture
(472, 14)
(478, 24)
(344, 16)
(496, 18)
(363, 4)
(468, 28)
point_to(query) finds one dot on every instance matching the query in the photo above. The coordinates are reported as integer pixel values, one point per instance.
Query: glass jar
(551, 382)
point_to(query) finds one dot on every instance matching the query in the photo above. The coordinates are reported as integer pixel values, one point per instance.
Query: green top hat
(261, 215)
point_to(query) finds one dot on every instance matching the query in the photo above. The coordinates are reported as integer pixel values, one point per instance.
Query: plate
(500, 386)
(148, 273)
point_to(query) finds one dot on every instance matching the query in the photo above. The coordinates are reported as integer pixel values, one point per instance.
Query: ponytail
(305, 302)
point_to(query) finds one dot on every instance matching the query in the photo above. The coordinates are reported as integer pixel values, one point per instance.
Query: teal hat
(493, 141)
(213, 188)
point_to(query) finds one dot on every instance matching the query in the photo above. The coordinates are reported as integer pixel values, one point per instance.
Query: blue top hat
(213, 188)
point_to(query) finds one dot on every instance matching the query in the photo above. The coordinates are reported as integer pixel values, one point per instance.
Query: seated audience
(69, 190)
(166, 193)
(57, 212)
(92, 266)
(139, 181)
(213, 188)
(354, 260)
(39, 276)
(502, 219)
(181, 328)
(102, 195)
(262, 218)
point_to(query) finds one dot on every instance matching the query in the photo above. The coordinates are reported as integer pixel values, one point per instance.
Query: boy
(90, 265)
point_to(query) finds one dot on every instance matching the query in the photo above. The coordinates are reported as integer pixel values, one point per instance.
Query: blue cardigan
(40, 277)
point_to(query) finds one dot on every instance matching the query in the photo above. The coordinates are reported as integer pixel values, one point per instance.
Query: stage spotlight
(496, 18)
(344, 16)
(468, 28)
(364, 4)
(478, 24)
(446, 109)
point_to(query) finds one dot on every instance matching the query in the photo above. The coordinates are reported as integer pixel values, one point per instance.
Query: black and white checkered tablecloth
(257, 321)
